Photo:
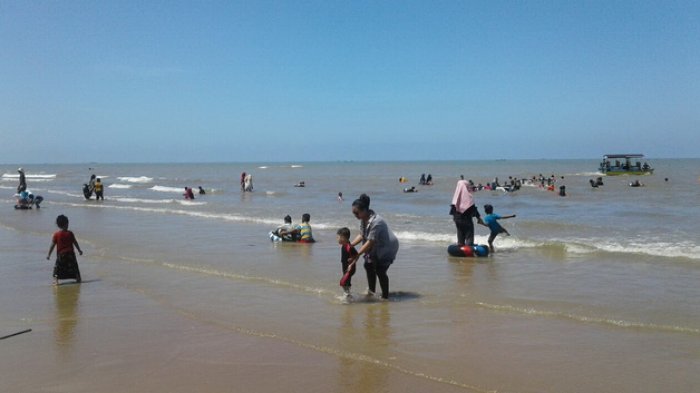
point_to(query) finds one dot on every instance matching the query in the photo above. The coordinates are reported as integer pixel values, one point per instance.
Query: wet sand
(103, 338)
(100, 337)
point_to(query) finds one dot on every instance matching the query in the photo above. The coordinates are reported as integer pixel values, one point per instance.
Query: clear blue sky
(155, 81)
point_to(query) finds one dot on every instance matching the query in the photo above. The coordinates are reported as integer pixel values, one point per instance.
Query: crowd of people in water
(378, 246)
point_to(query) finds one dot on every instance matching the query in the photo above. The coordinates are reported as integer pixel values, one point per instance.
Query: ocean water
(595, 291)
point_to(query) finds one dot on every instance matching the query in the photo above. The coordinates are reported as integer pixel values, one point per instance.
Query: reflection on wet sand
(371, 336)
(66, 298)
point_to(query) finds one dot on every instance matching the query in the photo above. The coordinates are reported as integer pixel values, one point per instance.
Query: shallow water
(596, 291)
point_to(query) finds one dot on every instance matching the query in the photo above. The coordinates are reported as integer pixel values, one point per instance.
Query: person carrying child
(347, 251)
(491, 221)
(66, 264)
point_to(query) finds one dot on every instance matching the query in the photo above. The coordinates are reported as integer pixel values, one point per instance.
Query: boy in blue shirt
(491, 221)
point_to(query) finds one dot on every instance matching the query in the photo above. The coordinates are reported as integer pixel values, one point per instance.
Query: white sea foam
(141, 200)
(424, 236)
(503, 242)
(661, 249)
(189, 203)
(190, 213)
(262, 167)
(589, 319)
(296, 166)
(157, 201)
(117, 185)
(59, 192)
(179, 190)
(29, 176)
(140, 179)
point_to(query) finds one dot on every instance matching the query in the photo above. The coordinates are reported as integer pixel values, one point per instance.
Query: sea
(595, 291)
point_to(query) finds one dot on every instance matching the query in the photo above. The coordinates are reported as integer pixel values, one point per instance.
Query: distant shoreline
(293, 162)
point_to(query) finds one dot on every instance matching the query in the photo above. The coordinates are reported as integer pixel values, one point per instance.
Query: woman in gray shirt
(379, 245)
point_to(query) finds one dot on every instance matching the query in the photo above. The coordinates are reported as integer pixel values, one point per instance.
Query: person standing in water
(91, 183)
(99, 190)
(463, 211)
(66, 264)
(379, 245)
(22, 181)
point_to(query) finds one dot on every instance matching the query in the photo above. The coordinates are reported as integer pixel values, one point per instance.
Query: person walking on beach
(379, 245)
(463, 211)
(22, 181)
(491, 220)
(66, 263)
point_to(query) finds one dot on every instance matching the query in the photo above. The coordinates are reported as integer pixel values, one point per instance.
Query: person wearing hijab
(22, 181)
(463, 211)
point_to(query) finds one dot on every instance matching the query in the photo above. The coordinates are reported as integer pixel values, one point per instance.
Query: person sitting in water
(188, 193)
(410, 189)
(303, 231)
(594, 184)
(429, 180)
(422, 179)
(22, 200)
(300, 184)
(201, 191)
(636, 183)
(285, 231)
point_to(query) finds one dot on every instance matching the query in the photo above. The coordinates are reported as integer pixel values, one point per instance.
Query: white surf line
(595, 320)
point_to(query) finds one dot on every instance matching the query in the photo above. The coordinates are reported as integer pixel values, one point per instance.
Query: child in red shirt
(346, 252)
(66, 264)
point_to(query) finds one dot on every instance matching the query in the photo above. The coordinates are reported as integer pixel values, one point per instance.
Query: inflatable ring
(478, 250)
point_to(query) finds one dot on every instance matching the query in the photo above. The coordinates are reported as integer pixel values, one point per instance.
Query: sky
(237, 81)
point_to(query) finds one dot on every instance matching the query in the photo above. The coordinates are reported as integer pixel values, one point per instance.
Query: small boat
(622, 164)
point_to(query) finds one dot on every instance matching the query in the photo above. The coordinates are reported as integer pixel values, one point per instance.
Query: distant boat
(625, 164)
